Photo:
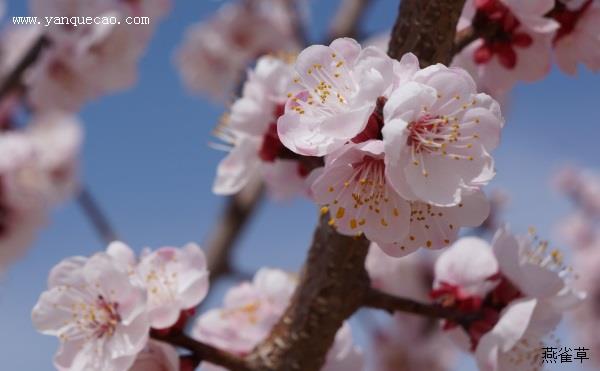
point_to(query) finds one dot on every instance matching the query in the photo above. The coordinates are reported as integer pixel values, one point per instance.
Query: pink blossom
(577, 38)
(586, 318)
(438, 134)
(96, 311)
(58, 138)
(341, 85)
(582, 186)
(157, 356)
(518, 49)
(215, 52)
(250, 311)
(251, 130)
(355, 189)
(517, 290)
(22, 205)
(86, 61)
(409, 277)
(578, 231)
(176, 279)
(37, 169)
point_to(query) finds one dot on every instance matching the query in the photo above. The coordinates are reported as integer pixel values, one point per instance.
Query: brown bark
(331, 288)
(204, 352)
(426, 28)
(14, 79)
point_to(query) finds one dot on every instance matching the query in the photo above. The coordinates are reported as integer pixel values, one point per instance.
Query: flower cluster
(250, 311)
(518, 38)
(87, 61)
(38, 168)
(515, 293)
(215, 52)
(406, 150)
(102, 307)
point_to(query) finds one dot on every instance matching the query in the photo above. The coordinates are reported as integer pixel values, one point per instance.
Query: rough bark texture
(331, 288)
(426, 28)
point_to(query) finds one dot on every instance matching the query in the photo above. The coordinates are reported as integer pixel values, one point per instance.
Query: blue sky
(146, 159)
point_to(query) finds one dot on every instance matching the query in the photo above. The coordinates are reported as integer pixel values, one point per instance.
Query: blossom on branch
(38, 168)
(250, 311)
(86, 61)
(96, 311)
(406, 149)
(338, 91)
(578, 38)
(515, 293)
(176, 279)
(515, 43)
(103, 307)
(251, 129)
(215, 52)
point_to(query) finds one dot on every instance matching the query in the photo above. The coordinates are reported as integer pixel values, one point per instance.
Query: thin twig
(465, 37)
(238, 210)
(14, 79)
(97, 218)
(203, 351)
(380, 300)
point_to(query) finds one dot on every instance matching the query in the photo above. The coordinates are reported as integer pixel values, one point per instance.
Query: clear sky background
(147, 161)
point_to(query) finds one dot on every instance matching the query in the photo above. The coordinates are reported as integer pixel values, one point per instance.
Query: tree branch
(96, 216)
(236, 214)
(13, 79)
(204, 352)
(330, 290)
(381, 300)
(347, 19)
(334, 282)
(426, 28)
(465, 37)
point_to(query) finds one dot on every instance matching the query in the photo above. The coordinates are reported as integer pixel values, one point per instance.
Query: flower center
(501, 33)
(370, 177)
(486, 310)
(567, 18)
(96, 320)
(374, 125)
(271, 147)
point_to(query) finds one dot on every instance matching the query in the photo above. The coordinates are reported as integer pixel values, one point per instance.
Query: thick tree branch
(204, 352)
(330, 290)
(380, 300)
(334, 282)
(347, 19)
(426, 28)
